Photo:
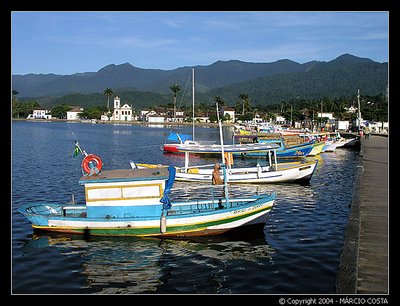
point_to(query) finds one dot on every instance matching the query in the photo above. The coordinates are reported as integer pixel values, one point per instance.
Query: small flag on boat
(76, 151)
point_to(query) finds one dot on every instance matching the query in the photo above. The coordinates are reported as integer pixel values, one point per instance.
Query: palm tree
(245, 100)
(175, 89)
(15, 105)
(108, 92)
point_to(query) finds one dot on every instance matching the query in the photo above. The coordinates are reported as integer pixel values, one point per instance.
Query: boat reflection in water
(151, 265)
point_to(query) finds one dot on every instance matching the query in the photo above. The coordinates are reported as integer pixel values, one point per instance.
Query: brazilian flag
(76, 151)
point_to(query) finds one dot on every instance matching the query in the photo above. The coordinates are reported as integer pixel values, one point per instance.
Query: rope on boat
(184, 91)
(72, 132)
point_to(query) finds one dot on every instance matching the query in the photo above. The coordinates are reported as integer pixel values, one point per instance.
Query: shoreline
(199, 124)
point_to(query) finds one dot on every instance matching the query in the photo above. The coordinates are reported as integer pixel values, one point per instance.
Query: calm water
(297, 252)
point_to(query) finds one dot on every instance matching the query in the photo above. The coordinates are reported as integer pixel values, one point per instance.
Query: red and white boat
(174, 140)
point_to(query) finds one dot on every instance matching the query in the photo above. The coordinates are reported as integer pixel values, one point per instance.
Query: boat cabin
(124, 193)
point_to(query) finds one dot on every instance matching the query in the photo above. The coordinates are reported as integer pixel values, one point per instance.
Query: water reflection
(119, 132)
(152, 265)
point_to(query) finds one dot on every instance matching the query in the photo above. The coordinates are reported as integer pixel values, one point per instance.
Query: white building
(104, 117)
(152, 116)
(350, 109)
(143, 114)
(343, 124)
(325, 115)
(231, 113)
(121, 113)
(280, 119)
(202, 118)
(73, 114)
(155, 118)
(40, 114)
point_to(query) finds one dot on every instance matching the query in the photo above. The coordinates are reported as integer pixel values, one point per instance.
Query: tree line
(373, 108)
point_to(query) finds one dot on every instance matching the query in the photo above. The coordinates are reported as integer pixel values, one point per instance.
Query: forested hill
(341, 77)
(126, 76)
(265, 83)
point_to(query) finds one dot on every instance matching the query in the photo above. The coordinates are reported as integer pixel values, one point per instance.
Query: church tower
(117, 102)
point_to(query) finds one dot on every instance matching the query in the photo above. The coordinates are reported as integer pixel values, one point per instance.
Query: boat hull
(287, 152)
(318, 146)
(185, 221)
(286, 173)
(171, 148)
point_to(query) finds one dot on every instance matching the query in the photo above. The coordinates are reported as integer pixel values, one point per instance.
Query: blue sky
(72, 42)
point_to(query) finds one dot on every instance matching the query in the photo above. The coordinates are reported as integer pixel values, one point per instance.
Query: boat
(335, 140)
(274, 172)
(317, 148)
(173, 140)
(283, 150)
(136, 202)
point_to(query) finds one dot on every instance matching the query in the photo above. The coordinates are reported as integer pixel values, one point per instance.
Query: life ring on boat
(89, 160)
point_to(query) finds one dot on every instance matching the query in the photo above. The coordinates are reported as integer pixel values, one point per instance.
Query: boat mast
(220, 134)
(359, 110)
(223, 158)
(193, 100)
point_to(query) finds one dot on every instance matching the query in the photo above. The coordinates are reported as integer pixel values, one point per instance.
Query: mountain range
(265, 83)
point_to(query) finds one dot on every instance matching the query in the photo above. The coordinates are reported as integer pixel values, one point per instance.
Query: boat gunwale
(251, 201)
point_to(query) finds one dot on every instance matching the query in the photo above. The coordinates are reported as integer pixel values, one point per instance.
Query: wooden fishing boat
(300, 172)
(317, 148)
(335, 140)
(135, 202)
(274, 172)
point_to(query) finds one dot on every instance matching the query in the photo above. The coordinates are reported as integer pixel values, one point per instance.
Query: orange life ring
(91, 158)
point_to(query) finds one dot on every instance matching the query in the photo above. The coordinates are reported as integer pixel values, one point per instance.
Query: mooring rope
(72, 132)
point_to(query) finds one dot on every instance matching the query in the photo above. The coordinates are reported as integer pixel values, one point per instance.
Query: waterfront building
(40, 114)
(121, 113)
(231, 112)
(73, 114)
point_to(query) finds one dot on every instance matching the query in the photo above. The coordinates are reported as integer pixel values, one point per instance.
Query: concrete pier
(364, 262)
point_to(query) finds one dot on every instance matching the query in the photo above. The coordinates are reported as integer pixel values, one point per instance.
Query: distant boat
(173, 141)
(135, 202)
(335, 140)
(283, 150)
(273, 173)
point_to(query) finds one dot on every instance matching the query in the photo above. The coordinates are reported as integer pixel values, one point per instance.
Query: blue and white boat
(283, 150)
(136, 202)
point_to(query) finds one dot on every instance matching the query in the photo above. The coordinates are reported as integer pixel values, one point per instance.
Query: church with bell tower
(121, 113)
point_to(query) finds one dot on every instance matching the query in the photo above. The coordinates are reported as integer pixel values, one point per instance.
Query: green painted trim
(151, 231)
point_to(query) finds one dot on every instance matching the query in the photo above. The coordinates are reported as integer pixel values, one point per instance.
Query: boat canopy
(177, 137)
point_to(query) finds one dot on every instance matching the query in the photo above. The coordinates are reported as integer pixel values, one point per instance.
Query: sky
(75, 42)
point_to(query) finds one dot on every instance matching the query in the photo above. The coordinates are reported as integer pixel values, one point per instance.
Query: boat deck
(126, 174)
